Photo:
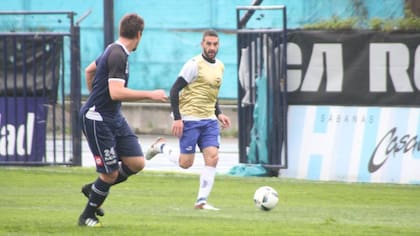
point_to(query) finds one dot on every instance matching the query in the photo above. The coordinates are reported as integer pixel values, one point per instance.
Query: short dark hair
(210, 33)
(130, 24)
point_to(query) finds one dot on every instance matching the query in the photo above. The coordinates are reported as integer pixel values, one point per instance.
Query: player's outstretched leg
(86, 190)
(155, 148)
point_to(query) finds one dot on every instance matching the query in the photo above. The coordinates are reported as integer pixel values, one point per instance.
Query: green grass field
(47, 201)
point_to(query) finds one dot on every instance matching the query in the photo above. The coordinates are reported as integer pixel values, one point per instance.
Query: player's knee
(185, 164)
(133, 164)
(137, 167)
(211, 156)
(109, 177)
(212, 161)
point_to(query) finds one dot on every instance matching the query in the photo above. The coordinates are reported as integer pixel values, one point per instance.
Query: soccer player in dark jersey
(114, 145)
(194, 103)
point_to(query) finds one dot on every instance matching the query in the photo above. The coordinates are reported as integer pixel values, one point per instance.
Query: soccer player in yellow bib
(196, 113)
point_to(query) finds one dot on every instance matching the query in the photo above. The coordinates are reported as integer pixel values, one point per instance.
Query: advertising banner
(22, 129)
(357, 68)
(354, 144)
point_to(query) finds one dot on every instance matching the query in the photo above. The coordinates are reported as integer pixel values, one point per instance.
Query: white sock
(206, 183)
(172, 156)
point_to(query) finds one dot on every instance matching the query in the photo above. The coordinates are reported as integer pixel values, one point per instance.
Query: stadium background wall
(173, 30)
(353, 106)
(360, 143)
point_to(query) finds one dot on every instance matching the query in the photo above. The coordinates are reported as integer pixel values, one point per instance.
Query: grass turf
(47, 201)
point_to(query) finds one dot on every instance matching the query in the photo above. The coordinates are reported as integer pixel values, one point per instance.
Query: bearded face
(210, 45)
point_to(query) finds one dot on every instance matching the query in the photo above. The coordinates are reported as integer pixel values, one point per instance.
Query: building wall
(173, 29)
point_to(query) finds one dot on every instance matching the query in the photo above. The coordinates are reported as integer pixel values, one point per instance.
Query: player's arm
(179, 84)
(217, 110)
(187, 74)
(178, 125)
(119, 92)
(90, 74)
(117, 84)
(221, 117)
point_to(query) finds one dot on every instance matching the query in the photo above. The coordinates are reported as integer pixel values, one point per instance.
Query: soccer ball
(266, 198)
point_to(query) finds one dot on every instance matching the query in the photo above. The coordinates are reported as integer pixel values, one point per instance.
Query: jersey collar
(208, 59)
(122, 45)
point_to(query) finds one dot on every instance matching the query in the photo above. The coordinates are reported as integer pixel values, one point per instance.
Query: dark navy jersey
(112, 64)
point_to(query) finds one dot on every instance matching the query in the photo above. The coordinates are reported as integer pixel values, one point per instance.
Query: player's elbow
(115, 96)
(90, 70)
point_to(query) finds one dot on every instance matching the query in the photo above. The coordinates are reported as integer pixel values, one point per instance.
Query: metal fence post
(75, 95)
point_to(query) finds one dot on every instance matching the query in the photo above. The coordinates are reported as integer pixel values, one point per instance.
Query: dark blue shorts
(109, 140)
(204, 133)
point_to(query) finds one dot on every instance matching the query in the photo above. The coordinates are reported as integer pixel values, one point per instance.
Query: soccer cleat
(205, 206)
(89, 221)
(86, 189)
(155, 148)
